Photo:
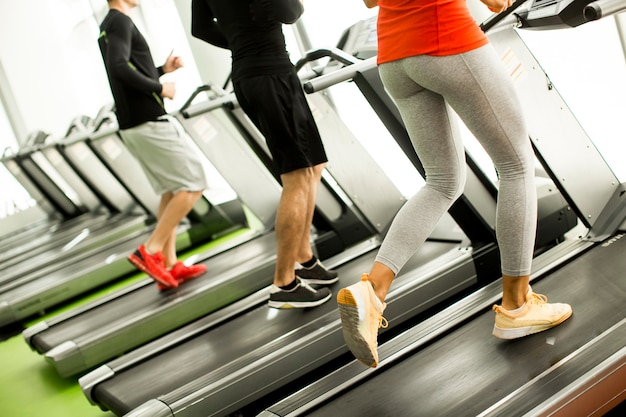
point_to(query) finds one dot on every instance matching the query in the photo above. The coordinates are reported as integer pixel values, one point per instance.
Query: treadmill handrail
(80, 124)
(205, 87)
(107, 119)
(223, 99)
(603, 8)
(495, 19)
(228, 101)
(344, 74)
(332, 53)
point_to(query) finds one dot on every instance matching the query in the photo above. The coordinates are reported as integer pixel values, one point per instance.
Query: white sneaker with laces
(536, 315)
(361, 316)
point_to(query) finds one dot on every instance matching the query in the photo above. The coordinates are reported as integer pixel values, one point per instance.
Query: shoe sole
(140, 265)
(349, 313)
(518, 332)
(190, 277)
(285, 305)
(319, 281)
(180, 281)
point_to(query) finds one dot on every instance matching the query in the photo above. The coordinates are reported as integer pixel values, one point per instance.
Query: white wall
(55, 72)
(587, 66)
(50, 56)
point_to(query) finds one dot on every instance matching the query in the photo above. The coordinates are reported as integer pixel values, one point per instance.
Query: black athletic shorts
(277, 106)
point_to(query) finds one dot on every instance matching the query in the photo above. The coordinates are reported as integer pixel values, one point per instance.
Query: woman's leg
(441, 152)
(485, 99)
(432, 131)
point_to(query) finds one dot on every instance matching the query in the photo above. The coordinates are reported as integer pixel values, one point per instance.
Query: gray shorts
(167, 155)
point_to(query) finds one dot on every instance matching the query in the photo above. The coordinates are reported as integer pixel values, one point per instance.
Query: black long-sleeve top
(133, 78)
(251, 29)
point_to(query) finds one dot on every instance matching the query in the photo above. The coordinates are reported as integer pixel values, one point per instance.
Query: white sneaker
(535, 316)
(361, 317)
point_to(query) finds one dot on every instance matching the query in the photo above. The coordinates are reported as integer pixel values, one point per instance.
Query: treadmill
(64, 217)
(21, 215)
(119, 180)
(83, 338)
(27, 289)
(217, 212)
(227, 361)
(50, 210)
(92, 223)
(449, 364)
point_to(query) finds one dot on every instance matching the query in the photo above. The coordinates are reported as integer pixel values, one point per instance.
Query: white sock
(517, 309)
(379, 303)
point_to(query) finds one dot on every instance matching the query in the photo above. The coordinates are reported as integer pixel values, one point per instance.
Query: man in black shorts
(269, 91)
(155, 139)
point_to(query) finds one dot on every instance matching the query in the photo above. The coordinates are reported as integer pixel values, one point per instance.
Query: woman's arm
(371, 3)
(497, 6)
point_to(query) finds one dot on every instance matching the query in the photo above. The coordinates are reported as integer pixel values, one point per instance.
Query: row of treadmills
(96, 206)
(213, 348)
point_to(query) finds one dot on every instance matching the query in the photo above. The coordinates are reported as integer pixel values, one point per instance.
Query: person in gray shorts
(155, 139)
(269, 91)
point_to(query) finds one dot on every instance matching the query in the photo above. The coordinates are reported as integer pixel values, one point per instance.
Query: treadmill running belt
(213, 349)
(469, 370)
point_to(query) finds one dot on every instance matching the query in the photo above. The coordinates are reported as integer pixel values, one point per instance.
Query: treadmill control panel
(553, 14)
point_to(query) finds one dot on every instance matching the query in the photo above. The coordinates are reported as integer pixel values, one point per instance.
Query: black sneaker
(317, 274)
(302, 296)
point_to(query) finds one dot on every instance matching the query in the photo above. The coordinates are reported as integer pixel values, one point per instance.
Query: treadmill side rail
(33, 330)
(67, 352)
(152, 408)
(93, 378)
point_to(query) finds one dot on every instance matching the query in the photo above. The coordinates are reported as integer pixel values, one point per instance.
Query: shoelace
(160, 258)
(306, 285)
(382, 323)
(535, 298)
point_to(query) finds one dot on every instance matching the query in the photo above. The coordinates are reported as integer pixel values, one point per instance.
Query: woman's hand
(497, 6)
(371, 3)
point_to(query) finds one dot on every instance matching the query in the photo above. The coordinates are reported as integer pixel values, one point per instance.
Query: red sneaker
(153, 265)
(183, 273)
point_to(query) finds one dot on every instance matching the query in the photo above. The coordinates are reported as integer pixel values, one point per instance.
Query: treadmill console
(360, 39)
(553, 14)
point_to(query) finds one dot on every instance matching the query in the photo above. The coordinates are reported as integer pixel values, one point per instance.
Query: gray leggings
(476, 86)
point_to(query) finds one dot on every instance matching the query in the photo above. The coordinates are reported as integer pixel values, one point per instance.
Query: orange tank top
(425, 27)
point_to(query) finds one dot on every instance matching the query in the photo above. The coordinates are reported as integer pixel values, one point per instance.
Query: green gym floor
(30, 387)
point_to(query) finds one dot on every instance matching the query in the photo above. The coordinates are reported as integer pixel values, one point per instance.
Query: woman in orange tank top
(433, 58)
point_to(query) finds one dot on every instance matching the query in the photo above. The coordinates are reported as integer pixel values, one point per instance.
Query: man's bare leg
(172, 210)
(305, 252)
(291, 226)
(291, 222)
